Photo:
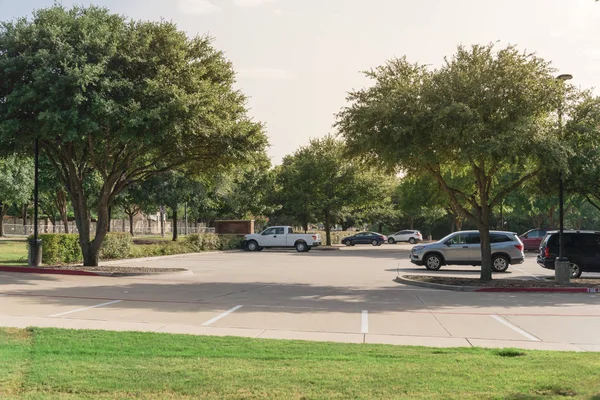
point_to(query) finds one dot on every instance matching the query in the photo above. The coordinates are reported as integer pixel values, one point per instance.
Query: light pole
(35, 245)
(562, 270)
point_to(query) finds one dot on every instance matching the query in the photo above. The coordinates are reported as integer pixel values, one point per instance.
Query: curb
(494, 289)
(436, 285)
(50, 271)
(31, 270)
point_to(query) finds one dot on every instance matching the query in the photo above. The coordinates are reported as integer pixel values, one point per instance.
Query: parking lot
(345, 295)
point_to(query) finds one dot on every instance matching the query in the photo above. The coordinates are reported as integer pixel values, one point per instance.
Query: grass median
(65, 364)
(13, 252)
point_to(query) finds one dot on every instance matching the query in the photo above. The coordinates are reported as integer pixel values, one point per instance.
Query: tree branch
(512, 187)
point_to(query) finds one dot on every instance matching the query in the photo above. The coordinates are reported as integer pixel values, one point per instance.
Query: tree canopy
(122, 99)
(16, 183)
(480, 125)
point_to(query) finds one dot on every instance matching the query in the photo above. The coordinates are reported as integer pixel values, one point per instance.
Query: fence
(139, 229)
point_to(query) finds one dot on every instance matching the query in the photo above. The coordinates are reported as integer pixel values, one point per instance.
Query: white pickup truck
(281, 236)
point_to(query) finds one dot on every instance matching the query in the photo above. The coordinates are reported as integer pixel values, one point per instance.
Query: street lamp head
(564, 77)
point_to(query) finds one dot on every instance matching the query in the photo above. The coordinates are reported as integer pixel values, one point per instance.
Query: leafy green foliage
(116, 246)
(16, 183)
(115, 102)
(60, 248)
(319, 181)
(479, 125)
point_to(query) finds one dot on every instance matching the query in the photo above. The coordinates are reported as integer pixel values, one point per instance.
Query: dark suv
(582, 248)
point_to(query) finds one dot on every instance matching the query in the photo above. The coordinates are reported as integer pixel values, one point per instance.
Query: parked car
(281, 236)
(464, 248)
(374, 238)
(582, 248)
(533, 239)
(409, 235)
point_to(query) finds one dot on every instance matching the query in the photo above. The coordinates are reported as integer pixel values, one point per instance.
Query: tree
(170, 189)
(479, 125)
(119, 99)
(319, 181)
(582, 133)
(16, 183)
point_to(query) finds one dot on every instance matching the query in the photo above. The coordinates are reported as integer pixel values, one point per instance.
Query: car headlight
(417, 248)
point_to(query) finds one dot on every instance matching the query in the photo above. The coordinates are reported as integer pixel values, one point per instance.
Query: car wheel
(348, 243)
(575, 270)
(252, 245)
(301, 247)
(433, 262)
(412, 241)
(391, 241)
(500, 263)
(375, 243)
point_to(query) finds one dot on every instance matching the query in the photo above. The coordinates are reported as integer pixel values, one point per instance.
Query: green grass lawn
(65, 364)
(13, 252)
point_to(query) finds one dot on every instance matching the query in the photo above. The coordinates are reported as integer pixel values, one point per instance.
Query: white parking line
(218, 317)
(365, 322)
(515, 328)
(526, 273)
(86, 308)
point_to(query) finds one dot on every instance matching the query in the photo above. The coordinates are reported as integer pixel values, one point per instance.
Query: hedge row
(64, 248)
(336, 236)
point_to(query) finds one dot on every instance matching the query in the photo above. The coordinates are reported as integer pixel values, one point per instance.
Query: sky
(297, 59)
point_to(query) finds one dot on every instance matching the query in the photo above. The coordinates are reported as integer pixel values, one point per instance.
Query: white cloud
(251, 3)
(272, 74)
(197, 7)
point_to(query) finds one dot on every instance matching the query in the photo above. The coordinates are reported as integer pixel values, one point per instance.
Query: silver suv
(463, 248)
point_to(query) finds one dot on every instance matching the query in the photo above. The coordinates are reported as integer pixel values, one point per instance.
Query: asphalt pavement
(346, 295)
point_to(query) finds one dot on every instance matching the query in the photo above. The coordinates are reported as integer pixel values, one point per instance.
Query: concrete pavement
(342, 296)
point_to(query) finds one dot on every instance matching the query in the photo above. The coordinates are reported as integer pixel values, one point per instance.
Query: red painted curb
(541, 290)
(31, 270)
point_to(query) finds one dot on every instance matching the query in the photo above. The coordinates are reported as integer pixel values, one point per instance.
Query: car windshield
(445, 238)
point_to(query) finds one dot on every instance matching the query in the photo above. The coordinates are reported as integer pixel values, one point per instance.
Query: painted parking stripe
(515, 328)
(218, 317)
(86, 308)
(365, 322)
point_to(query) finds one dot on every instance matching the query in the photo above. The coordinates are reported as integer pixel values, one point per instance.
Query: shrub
(203, 242)
(60, 248)
(116, 245)
(230, 242)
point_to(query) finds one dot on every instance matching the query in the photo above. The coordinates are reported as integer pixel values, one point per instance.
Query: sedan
(533, 239)
(374, 238)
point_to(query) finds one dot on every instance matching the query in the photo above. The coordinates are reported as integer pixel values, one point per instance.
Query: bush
(336, 236)
(60, 248)
(116, 245)
(230, 242)
(203, 242)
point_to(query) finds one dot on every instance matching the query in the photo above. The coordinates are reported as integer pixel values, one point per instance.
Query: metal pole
(561, 237)
(36, 191)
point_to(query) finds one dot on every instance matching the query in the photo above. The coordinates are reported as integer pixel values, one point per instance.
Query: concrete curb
(51, 271)
(478, 289)
(428, 285)
(31, 270)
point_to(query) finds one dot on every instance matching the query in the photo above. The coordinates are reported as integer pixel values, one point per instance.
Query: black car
(582, 248)
(374, 238)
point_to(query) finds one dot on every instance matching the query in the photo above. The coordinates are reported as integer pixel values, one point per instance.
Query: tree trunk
(175, 233)
(412, 223)
(453, 223)
(109, 219)
(328, 227)
(162, 221)
(61, 204)
(3, 209)
(24, 217)
(123, 225)
(305, 227)
(459, 223)
(380, 226)
(131, 224)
